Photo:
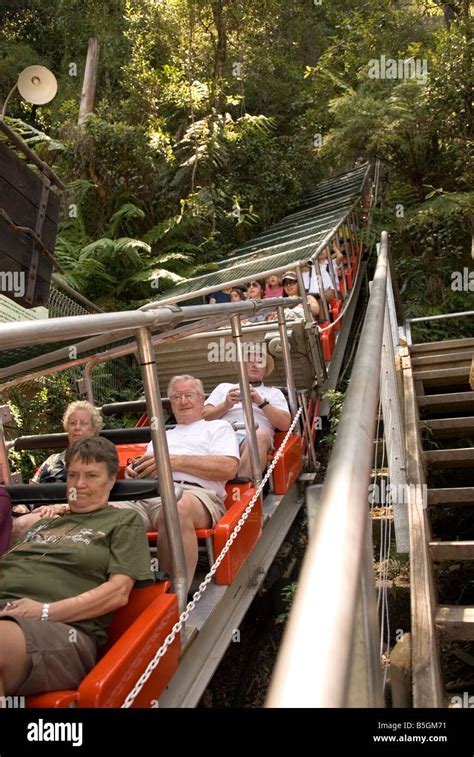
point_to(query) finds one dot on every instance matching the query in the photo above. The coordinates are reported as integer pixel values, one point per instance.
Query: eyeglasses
(187, 396)
(289, 282)
(252, 285)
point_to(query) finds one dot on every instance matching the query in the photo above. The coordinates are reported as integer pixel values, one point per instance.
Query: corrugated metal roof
(295, 238)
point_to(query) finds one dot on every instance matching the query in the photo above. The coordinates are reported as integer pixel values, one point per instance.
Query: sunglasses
(289, 282)
(252, 285)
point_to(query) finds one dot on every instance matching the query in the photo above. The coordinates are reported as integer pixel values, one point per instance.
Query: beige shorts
(149, 509)
(61, 655)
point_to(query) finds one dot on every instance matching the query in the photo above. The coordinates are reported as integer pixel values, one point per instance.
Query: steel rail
(313, 667)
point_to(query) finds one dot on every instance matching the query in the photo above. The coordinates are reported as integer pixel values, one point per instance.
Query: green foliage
(336, 402)
(39, 412)
(204, 123)
(288, 594)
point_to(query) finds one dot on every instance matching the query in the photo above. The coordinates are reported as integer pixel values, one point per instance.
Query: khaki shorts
(149, 509)
(61, 655)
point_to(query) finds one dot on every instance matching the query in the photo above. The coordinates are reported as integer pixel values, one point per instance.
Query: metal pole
(163, 465)
(331, 272)
(26, 333)
(21, 144)
(313, 338)
(5, 478)
(63, 352)
(290, 382)
(315, 658)
(439, 317)
(77, 296)
(246, 401)
(322, 293)
(307, 425)
(366, 684)
(88, 381)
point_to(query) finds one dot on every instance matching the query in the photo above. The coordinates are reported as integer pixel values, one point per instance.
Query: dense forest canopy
(211, 118)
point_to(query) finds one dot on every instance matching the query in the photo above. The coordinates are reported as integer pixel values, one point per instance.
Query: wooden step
(444, 376)
(451, 497)
(453, 345)
(436, 404)
(456, 359)
(450, 458)
(455, 622)
(452, 550)
(449, 428)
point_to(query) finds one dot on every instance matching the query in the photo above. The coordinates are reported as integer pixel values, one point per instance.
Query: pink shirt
(269, 292)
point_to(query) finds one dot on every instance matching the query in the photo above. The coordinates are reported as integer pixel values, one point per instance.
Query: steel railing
(333, 613)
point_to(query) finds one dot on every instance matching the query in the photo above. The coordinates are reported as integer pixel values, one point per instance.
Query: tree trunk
(90, 79)
(220, 53)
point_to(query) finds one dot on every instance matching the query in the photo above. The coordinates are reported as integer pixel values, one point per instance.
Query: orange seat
(349, 276)
(335, 307)
(239, 494)
(328, 341)
(127, 452)
(137, 632)
(290, 464)
(246, 538)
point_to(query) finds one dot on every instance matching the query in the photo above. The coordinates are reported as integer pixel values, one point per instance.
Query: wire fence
(109, 381)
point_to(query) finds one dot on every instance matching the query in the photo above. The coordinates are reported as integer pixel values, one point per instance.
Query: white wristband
(45, 612)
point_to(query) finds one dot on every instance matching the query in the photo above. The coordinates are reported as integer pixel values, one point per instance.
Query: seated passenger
(312, 284)
(237, 295)
(273, 286)
(203, 457)
(256, 291)
(60, 585)
(270, 410)
(291, 288)
(80, 420)
(219, 297)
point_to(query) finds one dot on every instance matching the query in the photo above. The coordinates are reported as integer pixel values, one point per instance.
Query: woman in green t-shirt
(61, 583)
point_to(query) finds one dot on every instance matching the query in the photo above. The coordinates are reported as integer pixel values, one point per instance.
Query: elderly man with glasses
(203, 457)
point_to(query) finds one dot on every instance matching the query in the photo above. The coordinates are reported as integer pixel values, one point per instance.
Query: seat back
(138, 601)
(235, 489)
(127, 452)
(290, 464)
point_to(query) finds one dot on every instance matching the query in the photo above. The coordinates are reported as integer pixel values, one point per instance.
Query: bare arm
(313, 305)
(278, 417)
(211, 467)
(103, 599)
(214, 412)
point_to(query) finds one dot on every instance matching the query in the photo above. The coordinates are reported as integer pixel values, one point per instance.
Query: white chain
(202, 586)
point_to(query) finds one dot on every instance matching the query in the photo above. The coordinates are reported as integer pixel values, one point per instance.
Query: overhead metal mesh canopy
(296, 237)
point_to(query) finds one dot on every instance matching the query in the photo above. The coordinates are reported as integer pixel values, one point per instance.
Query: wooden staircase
(439, 427)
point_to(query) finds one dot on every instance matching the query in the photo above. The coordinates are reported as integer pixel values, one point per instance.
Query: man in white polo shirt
(203, 457)
(270, 409)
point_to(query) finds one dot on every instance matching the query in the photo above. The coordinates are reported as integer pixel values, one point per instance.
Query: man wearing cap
(270, 409)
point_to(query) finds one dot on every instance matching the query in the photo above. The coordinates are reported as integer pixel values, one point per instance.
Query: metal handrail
(440, 317)
(314, 664)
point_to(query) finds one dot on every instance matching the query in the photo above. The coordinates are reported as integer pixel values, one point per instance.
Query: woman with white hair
(80, 421)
